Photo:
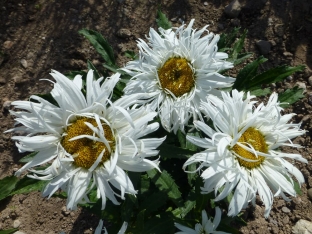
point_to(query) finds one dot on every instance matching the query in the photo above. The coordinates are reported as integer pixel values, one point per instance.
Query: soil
(37, 36)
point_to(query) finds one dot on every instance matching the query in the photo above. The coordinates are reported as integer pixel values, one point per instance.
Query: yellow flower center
(177, 76)
(254, 138)
(85, 151)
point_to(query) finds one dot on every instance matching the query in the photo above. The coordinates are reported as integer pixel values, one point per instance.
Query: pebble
(233, 9)
(124, 33)
(16, 223)
(24, 63)
(6, 105)
(285, 209)
(65, 212)
(310, 80)
(310, 193)
(19, 232)
(18, 79)
(302, 227)
(263, 46)
(287, 54)
(206, 3)
(301, 85)
(7, 44)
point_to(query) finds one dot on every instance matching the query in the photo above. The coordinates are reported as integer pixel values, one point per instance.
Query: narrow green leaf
(290, 96)
(260, 92)
(226, 40)
(9, 231)
(297, 188)
(7, 184)
(190, 145)
(96, 74)
(131, 54)
(28, 157)
(201, 199)
(145, 184)
(238, 46)
(273, 75)
(165, 183)
(100, 44)
(182, 139)
(247, 73)
(162, 20)
(27, 185)
(154, 202)
(242, 57)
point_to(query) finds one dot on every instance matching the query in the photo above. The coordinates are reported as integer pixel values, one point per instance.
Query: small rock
(206, 3)
(272, 42)
(289, 78)
(286, 220)
(285, 209)
(24, 63)
(220, 26)
(19, 232)
(7, 44)
(310, 193)
(174, 19)
(302, 227)
(30, 55)
(124, 33)
(270, 21)
(65, 212)
(18, 79)
(310, 80)
(233, 9)
(301, 85)
(16, 223)
(6, 104)
(287, 54)
(263, 46)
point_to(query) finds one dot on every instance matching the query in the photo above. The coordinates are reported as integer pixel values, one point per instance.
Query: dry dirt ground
(37, 36)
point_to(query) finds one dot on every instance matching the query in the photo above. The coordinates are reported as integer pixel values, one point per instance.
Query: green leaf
(27, 185)
(242, 57)
(9, 231)
(201, 199)
(247, 73)
(260, 92)
(48, 97)
(165, 183)
(100, 44)
(145, 184)
(181, 212)
(273, 75)
(162, 20)
(290, 96)
(191, 176)
(226, 40)
(181, 138)
(7, 184)
(154, 202)
(28, 157)
(190, 145)
(237, 47)
(297, 188)
(131, 54)
(96, 74)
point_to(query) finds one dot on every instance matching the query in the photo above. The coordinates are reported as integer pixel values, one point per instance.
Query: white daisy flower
(242, 152)
(178, 68)
(90, 140)
(206, 227)
(99, 228)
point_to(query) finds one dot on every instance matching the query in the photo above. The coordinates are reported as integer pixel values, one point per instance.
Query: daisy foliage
(178, 68)
(242, 150)
(90, 140)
